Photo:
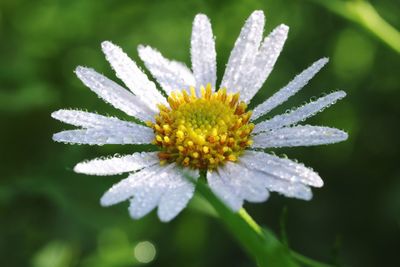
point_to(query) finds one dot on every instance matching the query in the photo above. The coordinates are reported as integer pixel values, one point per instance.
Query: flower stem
(300, 258)
(250, 221)
(259, 243)
(364, 14)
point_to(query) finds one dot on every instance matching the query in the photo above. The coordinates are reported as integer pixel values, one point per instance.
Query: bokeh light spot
(145, 252)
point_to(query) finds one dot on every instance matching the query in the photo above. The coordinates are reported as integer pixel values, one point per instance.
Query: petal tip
(319, 182)
(142, 47)
(135, 214)
(56, 137)
(200, 16)
(78, 168)
(165, 217)
(79, 70)
(308, 198)
(344, 136)
(323, 61)
(106, 44)
(257, 17)
(284, 27)
(257, 13)
(105, 201)
(56, 114)
(342, 93)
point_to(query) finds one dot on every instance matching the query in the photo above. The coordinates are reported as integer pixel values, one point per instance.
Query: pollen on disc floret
(203, 131)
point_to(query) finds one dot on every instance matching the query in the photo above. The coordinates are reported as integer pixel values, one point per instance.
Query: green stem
(250, 221)
(259, 243)
(364, 14)
(242, 231)
(257, 228)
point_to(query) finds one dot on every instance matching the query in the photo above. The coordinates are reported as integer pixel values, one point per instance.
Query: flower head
(202, 132)
(198, 127)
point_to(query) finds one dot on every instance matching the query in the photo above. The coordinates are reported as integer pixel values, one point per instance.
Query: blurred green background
(51, 217)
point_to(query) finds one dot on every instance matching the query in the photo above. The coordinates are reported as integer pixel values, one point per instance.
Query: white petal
(174, 201)
(117, 164)
(114, 94)
(248, 185)
(136, 134)
(87, 119)
(290, 89)
(164, 186)
(259, 183)
(127, 70)
(171, 191)
(275, 184)
(137, 183)
(243, 54)
(299, 136)
(280, 168)
(171, 75)
(177, 196)
(224, 191)
(144, 201)
(299, 114)
(204, 63)
(264, 62)
(286, 188)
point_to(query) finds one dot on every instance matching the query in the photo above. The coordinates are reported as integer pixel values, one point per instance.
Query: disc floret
(202, 132)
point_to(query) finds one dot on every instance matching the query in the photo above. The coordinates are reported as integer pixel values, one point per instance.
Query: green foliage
(364, 14)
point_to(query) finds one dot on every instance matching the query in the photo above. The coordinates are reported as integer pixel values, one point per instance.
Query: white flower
(197, 128)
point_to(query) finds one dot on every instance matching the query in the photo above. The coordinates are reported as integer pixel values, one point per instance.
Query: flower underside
(202, 132)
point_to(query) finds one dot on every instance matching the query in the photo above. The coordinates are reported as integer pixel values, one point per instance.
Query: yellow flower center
(202, 132)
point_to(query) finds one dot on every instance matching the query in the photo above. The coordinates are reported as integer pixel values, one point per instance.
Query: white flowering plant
(204, 134)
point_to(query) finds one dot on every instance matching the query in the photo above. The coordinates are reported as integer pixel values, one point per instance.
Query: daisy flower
(198, 127)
